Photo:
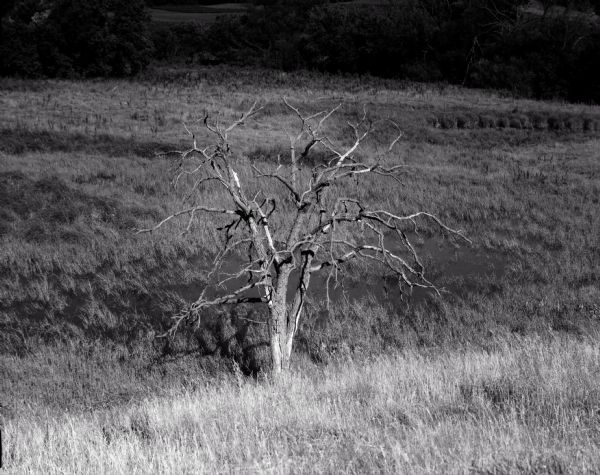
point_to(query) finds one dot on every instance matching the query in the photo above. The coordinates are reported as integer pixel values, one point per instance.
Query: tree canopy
(80, 38)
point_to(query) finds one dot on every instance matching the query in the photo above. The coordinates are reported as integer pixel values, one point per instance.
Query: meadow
(498, 376)
(207, 14)
(528, 407)
(201, 14)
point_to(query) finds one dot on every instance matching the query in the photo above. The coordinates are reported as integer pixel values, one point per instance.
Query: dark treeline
(481, 43)
(548, 49)
(74, 38)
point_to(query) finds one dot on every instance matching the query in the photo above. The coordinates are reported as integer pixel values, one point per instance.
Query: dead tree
(323, 230)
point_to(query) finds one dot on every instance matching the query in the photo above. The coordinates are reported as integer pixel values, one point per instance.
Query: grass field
(203, 15)
(531, 406)
(208, 14)
(500, 376)
(200, 14)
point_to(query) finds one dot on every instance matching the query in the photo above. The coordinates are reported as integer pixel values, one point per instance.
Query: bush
(487, 121)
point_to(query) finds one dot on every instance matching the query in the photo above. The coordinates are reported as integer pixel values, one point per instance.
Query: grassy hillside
(81, 173)
(530, 406)
(82, 296)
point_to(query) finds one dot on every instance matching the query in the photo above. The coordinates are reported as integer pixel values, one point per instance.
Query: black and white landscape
(300, 237)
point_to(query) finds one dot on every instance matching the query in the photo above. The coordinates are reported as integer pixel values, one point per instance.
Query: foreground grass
(531, 405)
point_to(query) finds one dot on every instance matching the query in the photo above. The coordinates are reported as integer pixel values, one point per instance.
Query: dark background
(538, 49)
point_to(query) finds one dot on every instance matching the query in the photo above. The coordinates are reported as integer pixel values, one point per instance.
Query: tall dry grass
(527, 197)
(530, 406)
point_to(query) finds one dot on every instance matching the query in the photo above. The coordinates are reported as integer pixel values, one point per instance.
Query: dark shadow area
(18, 141)
(46, 210)
(455, 270)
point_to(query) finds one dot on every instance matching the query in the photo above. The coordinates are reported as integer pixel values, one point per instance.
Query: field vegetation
(500, 375)
(199, 14)
(528, 406)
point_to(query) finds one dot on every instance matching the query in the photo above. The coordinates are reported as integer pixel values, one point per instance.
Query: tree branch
(183, 212)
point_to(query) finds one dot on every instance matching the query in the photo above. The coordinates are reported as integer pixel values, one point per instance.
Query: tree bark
(280, 341)
(281, 326)
(277, 323)
(276, 354)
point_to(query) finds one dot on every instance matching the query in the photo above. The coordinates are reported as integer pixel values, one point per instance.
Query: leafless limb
(190, 211)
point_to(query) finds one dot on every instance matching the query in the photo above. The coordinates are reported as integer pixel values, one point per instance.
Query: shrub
(556, 123)
(515, 122)
(588, 124)
(502, 122)
(465, 121)
(448, 121)
(525, 121)
(487, 121)
(574, 124)
(539, 122)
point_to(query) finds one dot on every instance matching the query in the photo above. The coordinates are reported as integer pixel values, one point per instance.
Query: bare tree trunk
(282, 323)
(276, 354)
(280, 340)
(278, 323)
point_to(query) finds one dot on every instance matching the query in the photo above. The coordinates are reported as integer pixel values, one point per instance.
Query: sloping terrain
(498, 376)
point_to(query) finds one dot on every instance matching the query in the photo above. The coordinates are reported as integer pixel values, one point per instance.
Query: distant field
(194, 13)
(207, 14)
(217, 8)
